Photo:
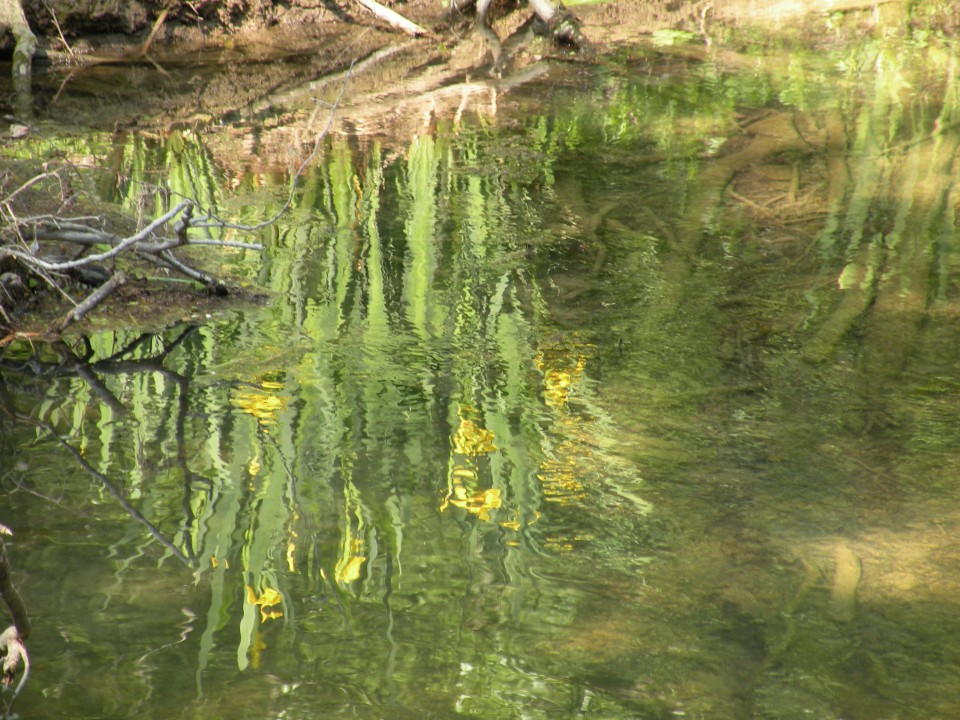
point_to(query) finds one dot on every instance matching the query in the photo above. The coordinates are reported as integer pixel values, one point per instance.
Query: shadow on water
(635, 399)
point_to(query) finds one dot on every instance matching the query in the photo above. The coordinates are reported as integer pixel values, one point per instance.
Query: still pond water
(637, 398)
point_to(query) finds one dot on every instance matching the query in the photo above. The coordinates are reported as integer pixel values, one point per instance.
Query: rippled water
(636, 399)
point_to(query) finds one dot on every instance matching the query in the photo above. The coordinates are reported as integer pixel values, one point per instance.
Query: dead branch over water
(55, 248)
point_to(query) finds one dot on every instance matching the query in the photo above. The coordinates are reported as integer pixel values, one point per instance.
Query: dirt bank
(127, 65)
(102, 22)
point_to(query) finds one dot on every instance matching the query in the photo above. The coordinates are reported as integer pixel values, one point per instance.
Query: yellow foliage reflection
(349, 566)
(263, 402)
(479, 503)
(559, 373)
(254, 467)
(266, 600)
(292, 554)
(256, 649)
(470, 441)
(559, 476)
(560, 473)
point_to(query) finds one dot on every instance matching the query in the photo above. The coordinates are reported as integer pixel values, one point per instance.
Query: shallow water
(633, 399)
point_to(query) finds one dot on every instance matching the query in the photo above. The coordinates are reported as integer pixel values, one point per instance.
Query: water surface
(636, 398)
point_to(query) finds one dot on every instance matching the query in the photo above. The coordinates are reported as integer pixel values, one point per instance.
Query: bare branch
(91, 301)
(394, 19)
(115, 250)
(168, 259)
(29, 183)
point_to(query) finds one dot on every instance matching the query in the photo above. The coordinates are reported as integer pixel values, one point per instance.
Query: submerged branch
(108, 485)
(122, 501)
(125, 363)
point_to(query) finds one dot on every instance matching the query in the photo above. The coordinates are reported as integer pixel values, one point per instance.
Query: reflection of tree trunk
(12, 19)
(773, 135)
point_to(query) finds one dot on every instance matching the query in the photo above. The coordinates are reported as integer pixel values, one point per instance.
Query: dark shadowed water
(636, 399)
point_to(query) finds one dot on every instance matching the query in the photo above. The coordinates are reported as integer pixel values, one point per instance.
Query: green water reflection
(640, 403)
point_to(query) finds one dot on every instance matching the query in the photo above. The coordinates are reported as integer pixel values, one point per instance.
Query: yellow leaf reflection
(515, 525)
(291, 556)
(349, 568)
(254, 467)
(560, 476)
(471, 439)
(561, 472)
(559, 373)
(267, 600)
(265, 402)
(256, 648)
(479, 502)
(557, 387)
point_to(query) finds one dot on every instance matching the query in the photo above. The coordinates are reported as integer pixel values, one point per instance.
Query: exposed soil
(86, 24)
(198, 71)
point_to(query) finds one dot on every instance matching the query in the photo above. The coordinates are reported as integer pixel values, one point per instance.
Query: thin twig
(172, 243)
(145, 48)
(56, 24)
(29, 183)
